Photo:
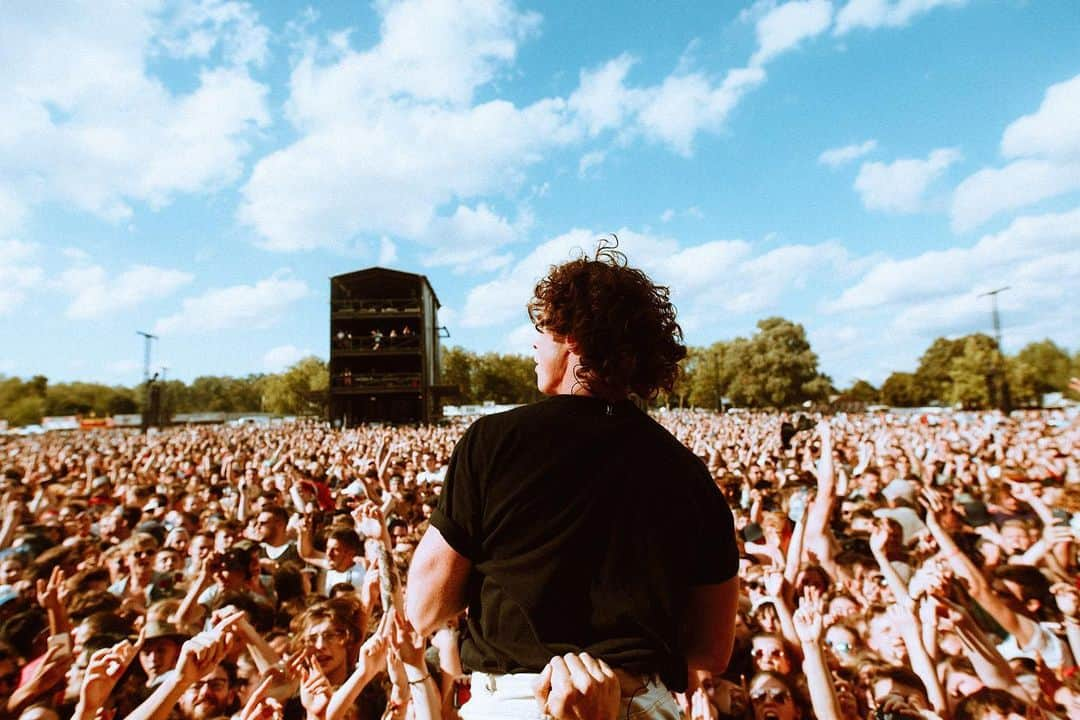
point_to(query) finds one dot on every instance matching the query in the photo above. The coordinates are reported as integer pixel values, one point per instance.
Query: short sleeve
(717, 554)
(456, 516)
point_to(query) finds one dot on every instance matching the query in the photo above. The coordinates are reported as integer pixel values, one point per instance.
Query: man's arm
(436, 588)
(710, 625)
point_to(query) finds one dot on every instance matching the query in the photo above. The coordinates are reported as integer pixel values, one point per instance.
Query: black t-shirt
(586, 524)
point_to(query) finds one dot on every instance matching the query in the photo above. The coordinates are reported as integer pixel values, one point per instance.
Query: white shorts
(511, 697)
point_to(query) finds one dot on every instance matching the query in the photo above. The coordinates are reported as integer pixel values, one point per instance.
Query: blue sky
(199, 168)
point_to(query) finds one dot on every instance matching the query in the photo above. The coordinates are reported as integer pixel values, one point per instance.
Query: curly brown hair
(618, 321)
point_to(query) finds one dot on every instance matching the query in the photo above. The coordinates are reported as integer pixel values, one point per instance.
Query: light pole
(1006, 400)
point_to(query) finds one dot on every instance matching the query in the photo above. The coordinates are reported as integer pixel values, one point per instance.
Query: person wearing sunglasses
(771, 698)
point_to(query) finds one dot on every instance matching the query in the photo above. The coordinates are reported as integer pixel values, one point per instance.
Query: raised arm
(810, 628)
(1022, 628)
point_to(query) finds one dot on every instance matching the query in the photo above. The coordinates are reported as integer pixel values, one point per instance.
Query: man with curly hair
(577, 527)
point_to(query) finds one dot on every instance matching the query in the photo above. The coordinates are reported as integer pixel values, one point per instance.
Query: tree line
(773, 368)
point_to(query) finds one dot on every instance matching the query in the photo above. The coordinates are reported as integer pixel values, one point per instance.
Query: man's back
(586, 524)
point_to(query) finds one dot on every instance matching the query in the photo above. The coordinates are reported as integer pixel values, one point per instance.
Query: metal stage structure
(384, 348)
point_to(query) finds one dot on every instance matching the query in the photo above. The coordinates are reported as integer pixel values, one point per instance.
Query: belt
(630, 684)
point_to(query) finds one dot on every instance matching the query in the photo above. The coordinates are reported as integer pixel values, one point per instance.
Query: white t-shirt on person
(353, 576)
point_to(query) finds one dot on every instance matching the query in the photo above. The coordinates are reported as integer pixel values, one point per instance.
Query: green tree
(303, 389)
(1049, 365)
(710, 375)
(27, 410)
(902, 389)
(774, 368)
(861, 391)
(934, 374)
(504, 378)
(976, 374)
(457, 367)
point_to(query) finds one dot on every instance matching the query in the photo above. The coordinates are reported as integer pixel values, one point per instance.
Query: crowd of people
(891, 566)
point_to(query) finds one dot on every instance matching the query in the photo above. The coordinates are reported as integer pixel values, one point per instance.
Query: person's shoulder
(522, 415)
(673, 449)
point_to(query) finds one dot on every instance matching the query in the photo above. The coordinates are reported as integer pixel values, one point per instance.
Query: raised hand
(807, 619)
(701, 708)
(879, 537)
(260, 706)
(1067, 597)
(373, 651)
(578, 687)
(202, 653)
(315, 689)
(51, 594)
(104, 670)
(773, 582)
(369, 521)
(406, 642)
(1057, 534)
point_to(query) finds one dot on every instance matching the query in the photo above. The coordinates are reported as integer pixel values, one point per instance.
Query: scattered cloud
(1045, 152)
(1052, 131)
(199, 27)
(92, 128)
(282, 357)
(718, 275)
(937, 291)
(260, 305)
(602, 101)
(470, 240)
(784, 27)
(872, 14)
(94, 294)
(992, 191)
(387, 252)
(19, 273)
(835, 157)
(397, 125)
(588, 161)
(900, 186)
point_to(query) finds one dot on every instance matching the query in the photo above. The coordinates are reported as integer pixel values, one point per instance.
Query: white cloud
(470, 239)
(589, 161)
(899, 187)
(401, 139)
(667, 215)
(519, 341)
(991, 191)
(722, 274)
(602, 100)
(671, 112)
(92, 128)
(260, 305)
(199, 27)
(871, 14)
(686, 104)
(784, 27)
(404, 142)
(430, 50)
(387, 252)
(12, 210)
(1053, 131)
(283, 356)
(19, 273)
(835, 157)
(1034, 255)
(94, 294)
(1045, 148)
